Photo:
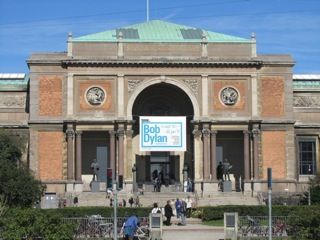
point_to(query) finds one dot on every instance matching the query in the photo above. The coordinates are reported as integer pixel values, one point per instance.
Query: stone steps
(148, 198)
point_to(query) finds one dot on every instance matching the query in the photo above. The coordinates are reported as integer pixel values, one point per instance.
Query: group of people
(123, 203)
(223, 170)
(182, 209)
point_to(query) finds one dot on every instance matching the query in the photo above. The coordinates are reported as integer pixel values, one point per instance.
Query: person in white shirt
(189, 206)
(156, 208)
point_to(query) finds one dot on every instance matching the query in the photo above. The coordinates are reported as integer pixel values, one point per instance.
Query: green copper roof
(159, 31)
(313, 84)
(14, 82)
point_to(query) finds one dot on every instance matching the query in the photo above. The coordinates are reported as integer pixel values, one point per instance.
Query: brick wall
(50, 96)
(274, 153)
(272, 96)
(50, 155)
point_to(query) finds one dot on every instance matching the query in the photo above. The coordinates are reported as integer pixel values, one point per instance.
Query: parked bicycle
(252, 228)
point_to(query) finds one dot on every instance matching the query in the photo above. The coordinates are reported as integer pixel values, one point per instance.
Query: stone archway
(163, 99)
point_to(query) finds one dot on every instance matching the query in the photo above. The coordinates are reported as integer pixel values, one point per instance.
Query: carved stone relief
(306, 101)
(192, 84)
(229, 96)
(132, 84)
(12, 101)
(95, 96)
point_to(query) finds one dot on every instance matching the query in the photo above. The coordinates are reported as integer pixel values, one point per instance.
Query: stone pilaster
(78, 156)
(206, 153)
(120, 134)
(70, 154)
(198, 163)
(256, 136)
(213, 162)
(246, 157)
(112, 151)
(129, 159)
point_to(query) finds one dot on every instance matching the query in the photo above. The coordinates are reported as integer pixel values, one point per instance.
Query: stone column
(213, 165)
(246, 156)
(120, 134)
(198, 163)
(256, 135)
(112, 152)
(206, 153)
(78, 156)
(129, 159)
(70, 154)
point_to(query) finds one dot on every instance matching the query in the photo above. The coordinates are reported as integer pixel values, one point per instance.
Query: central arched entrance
(163, 99)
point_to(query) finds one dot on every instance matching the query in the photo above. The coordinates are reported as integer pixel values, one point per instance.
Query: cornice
(161, 63)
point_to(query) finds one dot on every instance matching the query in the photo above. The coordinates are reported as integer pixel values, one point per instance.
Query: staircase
(148, 198)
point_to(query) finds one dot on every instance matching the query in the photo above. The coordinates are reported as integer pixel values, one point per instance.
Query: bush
(31, 223)
(304, 223)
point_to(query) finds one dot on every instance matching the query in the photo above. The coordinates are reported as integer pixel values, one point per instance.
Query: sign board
(162, 133)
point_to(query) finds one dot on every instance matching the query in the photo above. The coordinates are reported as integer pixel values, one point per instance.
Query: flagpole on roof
(147, 10)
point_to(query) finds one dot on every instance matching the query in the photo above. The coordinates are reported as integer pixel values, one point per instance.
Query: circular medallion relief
(95, 96)
(229, 96)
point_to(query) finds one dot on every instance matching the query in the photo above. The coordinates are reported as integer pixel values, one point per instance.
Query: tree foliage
(30, 223)
(18, 187)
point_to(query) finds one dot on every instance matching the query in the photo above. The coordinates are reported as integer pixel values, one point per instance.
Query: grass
(214, 223)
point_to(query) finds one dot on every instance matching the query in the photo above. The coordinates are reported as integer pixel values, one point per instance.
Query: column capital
(129, 133)
(196, 132)
(206, 132)
(120, 132)
(112, 133)
(246, 132)
(255, 132)
(70, 133)
(214, 132)
(78, 133)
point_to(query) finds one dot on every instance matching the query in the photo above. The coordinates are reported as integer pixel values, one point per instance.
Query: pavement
(192, 231)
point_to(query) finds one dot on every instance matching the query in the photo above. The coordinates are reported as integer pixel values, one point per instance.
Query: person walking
(178, 207)
(188, 207)
(168, 213)
(183, 211)
(131, 201)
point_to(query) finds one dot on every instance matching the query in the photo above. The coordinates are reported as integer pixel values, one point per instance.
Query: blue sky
(281, 26)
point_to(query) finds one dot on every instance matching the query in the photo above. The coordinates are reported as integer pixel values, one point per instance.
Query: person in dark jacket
(168, 213)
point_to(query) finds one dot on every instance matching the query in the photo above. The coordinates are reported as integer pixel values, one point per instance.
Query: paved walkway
(192, 231)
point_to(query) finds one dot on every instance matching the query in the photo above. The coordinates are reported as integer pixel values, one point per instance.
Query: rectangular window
(307, 157)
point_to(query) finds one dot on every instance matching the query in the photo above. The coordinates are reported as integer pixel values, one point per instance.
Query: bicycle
(253, 228)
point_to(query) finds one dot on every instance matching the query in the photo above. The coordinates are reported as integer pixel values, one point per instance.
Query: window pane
(307, 157)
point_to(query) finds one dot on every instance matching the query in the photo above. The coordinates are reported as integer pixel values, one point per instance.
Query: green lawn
(215, 223)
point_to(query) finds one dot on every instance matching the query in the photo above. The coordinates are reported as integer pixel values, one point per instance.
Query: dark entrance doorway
(163, 100)
(230, 146)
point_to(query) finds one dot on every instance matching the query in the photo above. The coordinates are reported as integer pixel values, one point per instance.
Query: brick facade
(272, 96)
(50, 152)
(50, 96)
(274, 153)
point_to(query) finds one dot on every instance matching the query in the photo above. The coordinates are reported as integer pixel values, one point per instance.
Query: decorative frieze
(306, 101)
(192, 84)
(12, 101)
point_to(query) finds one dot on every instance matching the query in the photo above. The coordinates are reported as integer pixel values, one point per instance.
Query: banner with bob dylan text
(162, 134)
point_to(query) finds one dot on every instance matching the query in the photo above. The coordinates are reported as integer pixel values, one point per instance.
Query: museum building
(85, 104)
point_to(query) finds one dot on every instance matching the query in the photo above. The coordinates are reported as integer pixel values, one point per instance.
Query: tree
(18, 187)
(314, 191)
